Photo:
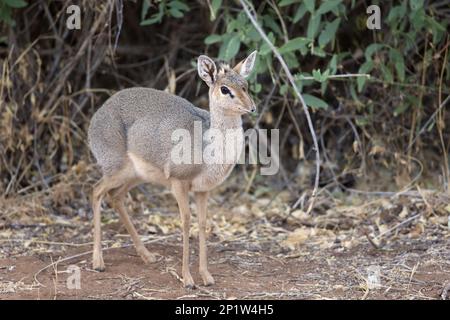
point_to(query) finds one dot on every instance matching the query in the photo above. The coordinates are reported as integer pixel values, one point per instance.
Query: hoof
(208, 279)
(189, 286)
(147, 256)
(188, 282)
(97, 262)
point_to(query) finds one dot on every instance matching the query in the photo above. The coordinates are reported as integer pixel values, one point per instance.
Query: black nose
(253, 109)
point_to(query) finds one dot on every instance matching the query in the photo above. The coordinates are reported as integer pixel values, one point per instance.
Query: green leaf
(294, 44)
(145, 7)
(313, 26)
(323, 87)
(253, 34)
(291, 60)
(215, 6)
(257, 87)
(417, 19)
(157, 17)
(366, 67)
(265, 49)
(396, 13)
(283, 89)
(310, 4)
(176, 13)
(299, 85)
(400, 109)
(329, 32)
(371, 49)
(284, 3)
(176, 4)
(317, 75)
(233, 47)
(387, 74)
(314, 102)
(15, 3)
(301, 10)
(223, 47)
(232, 26)
(399, 63)
(333, 64)
(416, 4)
(5, 15)
(213, 38)
(437, 29)
(271, 23)
(317, 51)
(328, 6)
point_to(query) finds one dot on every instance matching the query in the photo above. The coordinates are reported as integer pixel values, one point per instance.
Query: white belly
(146, 171)
(212, 176)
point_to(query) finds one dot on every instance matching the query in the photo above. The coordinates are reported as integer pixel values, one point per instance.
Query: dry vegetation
(383, 200)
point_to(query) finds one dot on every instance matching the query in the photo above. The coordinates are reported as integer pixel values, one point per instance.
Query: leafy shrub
(173, 8)
(7, 7)
(327, 44)
(309, 30)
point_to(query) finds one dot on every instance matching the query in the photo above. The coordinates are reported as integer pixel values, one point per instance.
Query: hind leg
(105, 184)
(118, 197)
(97, 195)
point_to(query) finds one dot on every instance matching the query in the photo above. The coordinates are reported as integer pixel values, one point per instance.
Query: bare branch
(428, 122)
(290, 77)
(336, 76)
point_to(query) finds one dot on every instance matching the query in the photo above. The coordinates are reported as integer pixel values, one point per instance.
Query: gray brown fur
(141, 121)
(131, 139)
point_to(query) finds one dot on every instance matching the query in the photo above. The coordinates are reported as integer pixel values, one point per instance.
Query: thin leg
(180, 191)
(118, 198)
(99, 191)
(201, 199)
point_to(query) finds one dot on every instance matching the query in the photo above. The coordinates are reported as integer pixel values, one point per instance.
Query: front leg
(180, 191)
(201, 199)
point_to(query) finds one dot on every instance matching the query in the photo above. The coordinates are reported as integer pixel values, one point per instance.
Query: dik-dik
(130, 137)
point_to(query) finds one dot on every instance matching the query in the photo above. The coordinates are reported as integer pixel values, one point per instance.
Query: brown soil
(319, 275)
(256, 251)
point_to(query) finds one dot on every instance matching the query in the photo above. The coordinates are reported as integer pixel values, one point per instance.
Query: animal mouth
(247, 110)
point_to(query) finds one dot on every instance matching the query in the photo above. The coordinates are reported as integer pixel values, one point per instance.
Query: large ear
(245, 67)
(207, 69)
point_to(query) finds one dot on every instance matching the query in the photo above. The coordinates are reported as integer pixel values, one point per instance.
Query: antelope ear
(207, 69)
(245, 67)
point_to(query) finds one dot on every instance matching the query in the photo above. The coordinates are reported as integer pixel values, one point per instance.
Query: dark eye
(224, 90)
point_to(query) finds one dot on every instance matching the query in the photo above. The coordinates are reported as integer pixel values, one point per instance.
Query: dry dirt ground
(259, 248)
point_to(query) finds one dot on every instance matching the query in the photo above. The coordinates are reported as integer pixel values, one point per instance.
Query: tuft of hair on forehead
(223, 67)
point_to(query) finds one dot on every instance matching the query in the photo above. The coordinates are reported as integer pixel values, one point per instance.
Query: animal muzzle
(252, 107)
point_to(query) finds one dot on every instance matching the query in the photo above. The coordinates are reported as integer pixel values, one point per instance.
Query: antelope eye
(224, 90)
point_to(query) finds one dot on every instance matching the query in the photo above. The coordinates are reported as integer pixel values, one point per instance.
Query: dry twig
(290, 77)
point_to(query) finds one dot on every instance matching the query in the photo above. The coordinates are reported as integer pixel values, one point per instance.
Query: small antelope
(130, 137)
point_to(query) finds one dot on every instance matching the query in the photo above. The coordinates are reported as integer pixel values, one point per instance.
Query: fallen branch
(397, 226)
(290, 77)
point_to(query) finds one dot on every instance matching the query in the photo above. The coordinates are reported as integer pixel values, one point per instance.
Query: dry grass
(406, 236)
